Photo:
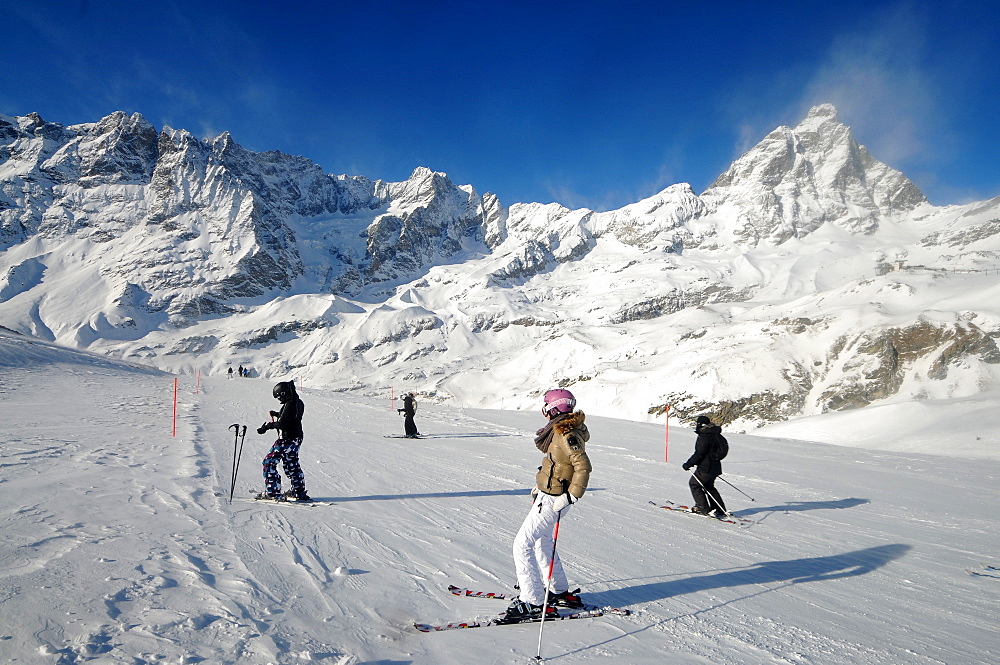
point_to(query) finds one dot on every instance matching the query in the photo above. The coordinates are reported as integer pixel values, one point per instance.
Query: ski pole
(236, 441)
(737, 488)
(243, 438)
(709, 494)
(240, 438)
(548, 582)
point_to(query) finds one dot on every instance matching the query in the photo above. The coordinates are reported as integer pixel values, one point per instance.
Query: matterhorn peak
(796, 180)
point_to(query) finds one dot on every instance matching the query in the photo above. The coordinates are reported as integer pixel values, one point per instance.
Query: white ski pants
(533, 552)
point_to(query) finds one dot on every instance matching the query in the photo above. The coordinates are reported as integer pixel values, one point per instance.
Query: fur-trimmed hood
(570, 422)
(562, 424)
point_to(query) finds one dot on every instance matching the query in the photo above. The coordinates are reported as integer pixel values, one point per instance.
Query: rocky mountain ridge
(193, 253)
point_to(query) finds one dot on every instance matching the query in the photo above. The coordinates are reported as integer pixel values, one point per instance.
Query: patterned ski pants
(533, 552)
(286, 452)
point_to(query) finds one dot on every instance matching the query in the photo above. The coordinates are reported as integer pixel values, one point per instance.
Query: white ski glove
(561, 501)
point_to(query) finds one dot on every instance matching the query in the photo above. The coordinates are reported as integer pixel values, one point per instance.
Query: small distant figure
(241, 372)
(708, 465)
(230, 372)
(409, 410)
(286, 449)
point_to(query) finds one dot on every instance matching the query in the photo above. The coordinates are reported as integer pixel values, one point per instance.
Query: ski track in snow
(121, 545)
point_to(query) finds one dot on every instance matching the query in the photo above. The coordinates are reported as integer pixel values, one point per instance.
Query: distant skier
(409, 410)
(230, 372)
(709, 467)
(286, 448)
(561, 481)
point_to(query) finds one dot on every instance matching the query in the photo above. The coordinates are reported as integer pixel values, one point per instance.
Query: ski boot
(567, 599)
(520, 612)
(298, 497)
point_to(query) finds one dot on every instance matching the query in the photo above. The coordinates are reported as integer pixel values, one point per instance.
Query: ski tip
(424, 627)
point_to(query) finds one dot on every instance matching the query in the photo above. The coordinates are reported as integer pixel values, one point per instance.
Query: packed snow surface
(121, 545)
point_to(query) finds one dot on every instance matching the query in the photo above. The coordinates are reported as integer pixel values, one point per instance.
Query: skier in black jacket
(286, 449)
(409, 410)
(708, 468)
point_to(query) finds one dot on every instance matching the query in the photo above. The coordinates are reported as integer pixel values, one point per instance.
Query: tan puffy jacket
(566, 465)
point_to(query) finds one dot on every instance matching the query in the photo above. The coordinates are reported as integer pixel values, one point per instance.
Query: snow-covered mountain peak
(796, 180)
(821, 113)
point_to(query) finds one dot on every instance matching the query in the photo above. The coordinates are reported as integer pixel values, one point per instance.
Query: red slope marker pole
(173, 431)
(666, 433)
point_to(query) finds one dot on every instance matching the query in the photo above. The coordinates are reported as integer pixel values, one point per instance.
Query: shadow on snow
(430, 495)
(800, 506)
(792, 571)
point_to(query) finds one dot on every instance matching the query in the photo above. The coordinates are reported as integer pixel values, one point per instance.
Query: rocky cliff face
(211, 224)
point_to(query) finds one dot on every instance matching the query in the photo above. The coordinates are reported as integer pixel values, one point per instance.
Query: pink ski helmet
(558, 401)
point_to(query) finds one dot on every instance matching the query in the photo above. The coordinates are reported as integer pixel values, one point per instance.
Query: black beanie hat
(703, 420)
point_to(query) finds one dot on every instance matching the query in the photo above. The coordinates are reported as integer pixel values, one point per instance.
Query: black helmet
(283, 391)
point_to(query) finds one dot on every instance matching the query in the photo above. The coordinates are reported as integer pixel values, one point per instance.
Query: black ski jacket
(702, 457)
(409, 406)
(289, 422)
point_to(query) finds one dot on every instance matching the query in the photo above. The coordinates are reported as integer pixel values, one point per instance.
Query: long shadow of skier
(784, 573)
(467, 435)
(793, 571)
(432, 495)
(799, 506)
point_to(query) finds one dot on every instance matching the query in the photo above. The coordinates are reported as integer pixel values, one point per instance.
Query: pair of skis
(985, 571)
(585, 612)
(727, 519)
(286, 499)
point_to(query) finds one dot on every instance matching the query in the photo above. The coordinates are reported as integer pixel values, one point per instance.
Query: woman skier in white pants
(561, 481)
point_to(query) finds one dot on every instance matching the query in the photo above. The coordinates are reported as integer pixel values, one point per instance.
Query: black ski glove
(263, 428)
(686, 466)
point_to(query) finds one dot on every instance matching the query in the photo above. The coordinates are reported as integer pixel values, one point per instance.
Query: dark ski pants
(709, 500)
(286, 452)
(410, 427)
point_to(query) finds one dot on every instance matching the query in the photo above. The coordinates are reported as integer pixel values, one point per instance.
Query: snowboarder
(286, 448)
(709, 467)
(560, 482)
(409, 410)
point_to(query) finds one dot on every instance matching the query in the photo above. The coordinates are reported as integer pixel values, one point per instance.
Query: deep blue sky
(587, 103)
